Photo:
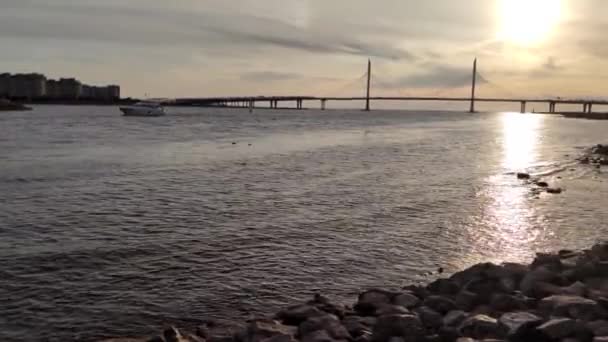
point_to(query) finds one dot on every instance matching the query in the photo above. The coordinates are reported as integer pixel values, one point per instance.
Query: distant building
(36, 86)
(28, 86)
(70, 88)
(5, 80)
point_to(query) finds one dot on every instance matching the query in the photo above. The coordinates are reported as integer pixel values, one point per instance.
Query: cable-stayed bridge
(297, 102)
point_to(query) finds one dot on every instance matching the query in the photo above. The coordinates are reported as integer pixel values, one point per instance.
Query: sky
(185, 48)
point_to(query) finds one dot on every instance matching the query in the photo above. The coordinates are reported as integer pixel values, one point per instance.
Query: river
(114, 226)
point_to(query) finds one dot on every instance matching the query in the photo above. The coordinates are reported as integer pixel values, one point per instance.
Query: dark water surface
(115, 226)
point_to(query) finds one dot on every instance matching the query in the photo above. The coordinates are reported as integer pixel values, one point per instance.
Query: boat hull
(142, 111)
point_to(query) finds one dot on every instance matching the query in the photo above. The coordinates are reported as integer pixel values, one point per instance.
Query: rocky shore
(6, 105)
(558, 297)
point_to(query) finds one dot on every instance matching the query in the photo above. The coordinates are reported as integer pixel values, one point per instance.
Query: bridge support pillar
(590, 108)
(299, 103)
(523, 107)
(323, 104)
(584, 107)
(552, 107)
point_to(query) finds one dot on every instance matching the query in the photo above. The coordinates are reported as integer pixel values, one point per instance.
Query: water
(113, 226)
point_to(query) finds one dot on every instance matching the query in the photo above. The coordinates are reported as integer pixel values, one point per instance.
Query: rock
(389, 309)
(260, 330)
(429, 317)
(156, 339)
(454, 318)
(504, 302)
(600, 339)
(483, 288)
(324, 304)
(554, 191)
(317, 336)
(558, 328)
(467, 300)
(406, 300)
(356, 326)
(598, 328)
(173, 335)
(396, 339)
(295, 315)
(520, 326)
(569, 306)
(480, 327)
(542, 184)
(522, 175)
(443, 287)
(440, 304)
(407, 326)
(372, 300)
(599, 252)
(600, 149)
(529, 284)
(550, 261)
(367, 337)
(330, 323)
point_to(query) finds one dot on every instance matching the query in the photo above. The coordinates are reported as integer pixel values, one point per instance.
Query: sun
(528, 22)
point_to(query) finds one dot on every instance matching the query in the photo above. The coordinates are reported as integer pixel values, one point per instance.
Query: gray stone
(388, 309)
(530, 283)
(440, 304)
(297, 314)
(600, 339)
(504, 302)
(598, 328)
(317, 336)
(173, 335)
(444, 287)
(407, 326)
(558, 328)
(569, 306)
(355, 326)
(467, 301)
(430, 318)
(260, 330)
(519, 323)
(280, 338)
(407, 300)
(480, 327)
(330, 323)
(396, 339)
(371, 300)
(454, 318)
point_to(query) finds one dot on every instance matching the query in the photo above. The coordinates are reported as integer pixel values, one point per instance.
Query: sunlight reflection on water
(509, 225)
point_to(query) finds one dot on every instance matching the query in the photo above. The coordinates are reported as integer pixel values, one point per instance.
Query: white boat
(144, 108)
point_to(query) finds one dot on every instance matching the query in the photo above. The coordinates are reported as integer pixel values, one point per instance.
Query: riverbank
(558, 297)
(6, 105)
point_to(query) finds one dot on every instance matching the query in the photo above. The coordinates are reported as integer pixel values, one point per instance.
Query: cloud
(269, 76)
(207, 30)
(436, 76)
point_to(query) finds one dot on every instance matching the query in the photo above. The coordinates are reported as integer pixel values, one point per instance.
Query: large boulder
(440, 304)
(358, 326)
(371, 300)
(443, 287)
(558, 328)
(406, 300)
(330, 323)
(407, 326)
(569, 306)
(389, 309)
(454, 318)
(429, 317)
(520, 326)
(317, 336)
(260, 330)
(504, 302)
(481, 327)
(297, 314)
(598, 328)
(531, 284)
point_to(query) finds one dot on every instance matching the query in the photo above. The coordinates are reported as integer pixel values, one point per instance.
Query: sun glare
(528, 22)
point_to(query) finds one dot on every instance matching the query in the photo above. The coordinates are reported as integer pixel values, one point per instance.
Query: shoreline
(557, 297)
(8, 106)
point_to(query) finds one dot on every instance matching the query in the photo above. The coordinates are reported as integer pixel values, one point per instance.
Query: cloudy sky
(312, 47)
